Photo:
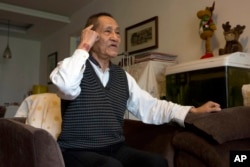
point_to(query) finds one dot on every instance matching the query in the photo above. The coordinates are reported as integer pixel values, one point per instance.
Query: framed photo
(52, 61)
(142, 36)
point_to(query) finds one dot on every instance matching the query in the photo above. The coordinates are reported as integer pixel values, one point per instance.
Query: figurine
(207, 28)
(231, 37)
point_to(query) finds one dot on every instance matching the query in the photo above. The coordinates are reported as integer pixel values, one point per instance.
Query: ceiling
(40, 17)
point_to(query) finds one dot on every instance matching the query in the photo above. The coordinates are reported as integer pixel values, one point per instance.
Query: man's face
(109, 40)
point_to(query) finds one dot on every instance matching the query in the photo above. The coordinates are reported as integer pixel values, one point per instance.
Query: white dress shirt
(68, 74)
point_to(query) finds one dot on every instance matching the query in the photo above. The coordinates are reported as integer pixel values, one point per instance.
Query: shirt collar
(93, 60)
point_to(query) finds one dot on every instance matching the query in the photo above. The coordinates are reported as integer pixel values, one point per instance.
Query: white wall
(178, 33)
(17, 75)
(178, 24)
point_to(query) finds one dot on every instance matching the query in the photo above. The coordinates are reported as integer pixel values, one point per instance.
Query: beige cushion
(246, 94)
(42, 111)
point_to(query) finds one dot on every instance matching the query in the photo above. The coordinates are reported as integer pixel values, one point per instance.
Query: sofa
(209, 138)
(2, 111)
(206, 140)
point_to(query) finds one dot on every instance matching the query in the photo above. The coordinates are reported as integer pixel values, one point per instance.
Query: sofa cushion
(197, 148)
(226, 125)
(42, 111)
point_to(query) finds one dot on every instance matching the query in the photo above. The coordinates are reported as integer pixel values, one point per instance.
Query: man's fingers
(89, 27)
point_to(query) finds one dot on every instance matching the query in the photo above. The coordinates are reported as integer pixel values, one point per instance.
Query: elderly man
(95, 95)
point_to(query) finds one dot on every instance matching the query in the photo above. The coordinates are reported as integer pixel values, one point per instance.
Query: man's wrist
(193, 110)
(85, 47)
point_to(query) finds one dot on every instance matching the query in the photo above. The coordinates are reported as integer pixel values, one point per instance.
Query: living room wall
(17, 75)
(178, 34)
(178, 25)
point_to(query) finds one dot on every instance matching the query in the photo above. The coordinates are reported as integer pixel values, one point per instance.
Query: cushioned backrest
(23, 145)
(42, 111)
(227, 125)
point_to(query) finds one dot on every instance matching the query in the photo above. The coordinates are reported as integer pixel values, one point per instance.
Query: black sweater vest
(95, 118)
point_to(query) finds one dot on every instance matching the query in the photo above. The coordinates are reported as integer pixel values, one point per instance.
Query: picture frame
(142, 36)
(52, 62)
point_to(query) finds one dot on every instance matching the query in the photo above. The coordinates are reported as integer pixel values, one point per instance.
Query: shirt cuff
(81, 53)
(180, 117)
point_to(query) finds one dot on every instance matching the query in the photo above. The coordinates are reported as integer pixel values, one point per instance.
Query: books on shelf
(157, 56)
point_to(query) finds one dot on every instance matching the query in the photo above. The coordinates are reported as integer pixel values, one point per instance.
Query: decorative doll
(232, 39)
(207, 28)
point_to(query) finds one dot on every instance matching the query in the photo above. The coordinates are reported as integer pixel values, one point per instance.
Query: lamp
(7, 52)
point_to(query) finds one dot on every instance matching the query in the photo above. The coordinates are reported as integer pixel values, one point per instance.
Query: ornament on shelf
(207, 28)
(231, 36)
